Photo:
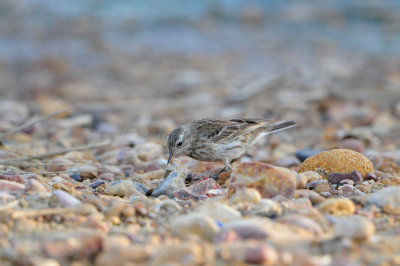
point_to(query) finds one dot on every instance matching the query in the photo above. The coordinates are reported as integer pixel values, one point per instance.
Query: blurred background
(154, 64)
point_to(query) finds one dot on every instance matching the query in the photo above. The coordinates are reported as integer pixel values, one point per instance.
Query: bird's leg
(226, 168)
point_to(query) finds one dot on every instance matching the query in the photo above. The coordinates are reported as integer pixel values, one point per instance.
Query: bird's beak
(170, 158)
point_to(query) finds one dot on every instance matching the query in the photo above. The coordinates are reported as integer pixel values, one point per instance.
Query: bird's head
(178, 142)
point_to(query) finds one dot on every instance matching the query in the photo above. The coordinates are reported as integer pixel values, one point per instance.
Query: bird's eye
(179, 144)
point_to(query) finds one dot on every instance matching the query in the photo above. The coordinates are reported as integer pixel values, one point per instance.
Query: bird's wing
(226, 130)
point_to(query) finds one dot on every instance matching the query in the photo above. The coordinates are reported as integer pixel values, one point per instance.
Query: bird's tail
(269, 128)
(277, 126)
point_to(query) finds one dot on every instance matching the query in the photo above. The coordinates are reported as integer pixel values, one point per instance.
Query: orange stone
(269, 180)
(337, 161)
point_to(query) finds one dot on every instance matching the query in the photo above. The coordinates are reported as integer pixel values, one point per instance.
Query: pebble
(11, 176)
(301, 181)
(267, 208)
(66, 199)
(96, 183)
(269, 180)
(352, 144)
(206, 187)
(355, 227)
(220, 212)
(125, 188)
(347, 182)
(347, 190)
(249, 252)
(336, 178)
(7, 186)
(149, 151)
(107, 177)
(385, 196)
(111, 169)
(82, 246)
(183, 253)
(194, 223)
(75, 176)
(363, 188)
(337, 161)
(248, 229)
(313, 184)
(335, 206)
(171, 184)
(34, 185)
(305, 153)
(303, 222)
(158, 174)
(125, 255)
(5, 196)
(85, 171)
(59, 164)
(313, 196)
(372, 176)
(245, 195)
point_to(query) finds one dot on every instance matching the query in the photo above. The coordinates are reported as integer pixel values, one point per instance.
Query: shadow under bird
(220, 140)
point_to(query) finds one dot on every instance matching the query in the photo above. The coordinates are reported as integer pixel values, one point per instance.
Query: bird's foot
(216, 176)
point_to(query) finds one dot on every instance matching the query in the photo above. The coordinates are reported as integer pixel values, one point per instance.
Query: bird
(220, 139)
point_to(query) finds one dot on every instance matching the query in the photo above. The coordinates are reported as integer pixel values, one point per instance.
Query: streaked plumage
(218, 139)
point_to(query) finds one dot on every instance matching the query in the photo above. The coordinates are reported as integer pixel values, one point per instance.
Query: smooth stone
(125, 188)
(352, 144)
(288, 162)
(347, 190)
(249, 252)
(337, 161)
(307, 177)
(158, 174)
(303, 222)
(335, 206)
(372, 176)
(269, 180)
(385, 196)
(96, 183)
(301, 181)
(313, 196)
(220, 212)
(355, 227)
(336, 178)
(183, 253)
(267, 208)
(194, 223)
(66, 199)
(248, 229)
(305, 153)
(123, 255)
(116, 171)
(245, 195)
(59, 164)
(313, 184)
(171, 184)
(347, 182)
(107, 177)
(81, 246)
(75, 176)
(85, 171)
(206, 187)
(149, 151)
(7, 186)
(11, 176)
(34, 185)
(57, 180)
(5, 196)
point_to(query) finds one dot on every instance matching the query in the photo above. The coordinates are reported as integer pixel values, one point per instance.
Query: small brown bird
(220, 140)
